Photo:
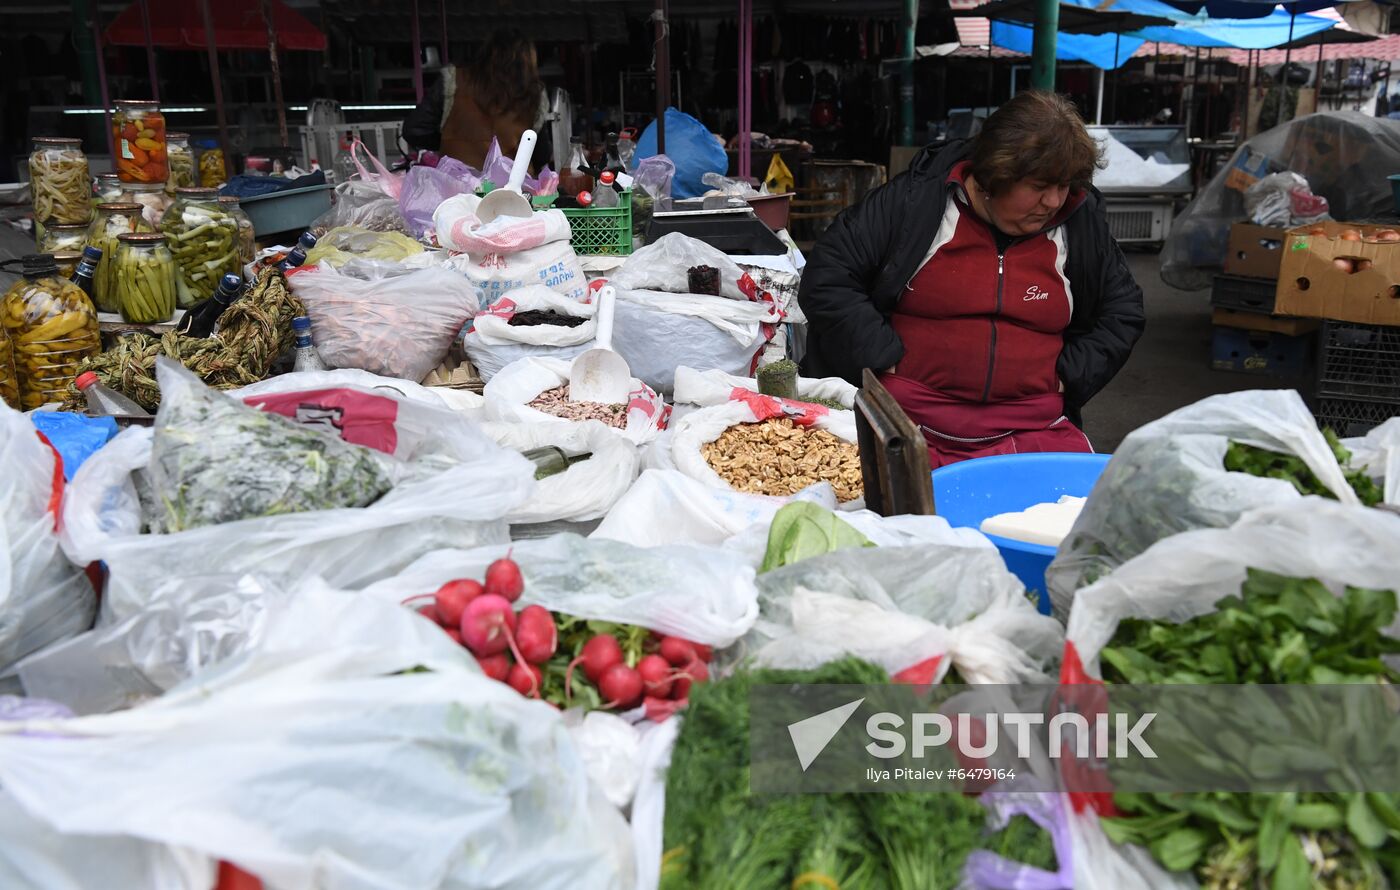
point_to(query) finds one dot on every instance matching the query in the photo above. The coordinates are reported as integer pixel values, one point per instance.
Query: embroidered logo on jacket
(1035, 293)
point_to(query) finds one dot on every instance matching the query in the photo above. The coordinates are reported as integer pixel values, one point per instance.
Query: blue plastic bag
(76, 437)
(690, 145)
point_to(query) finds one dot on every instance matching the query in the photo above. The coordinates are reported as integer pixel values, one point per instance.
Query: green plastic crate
(602, 231)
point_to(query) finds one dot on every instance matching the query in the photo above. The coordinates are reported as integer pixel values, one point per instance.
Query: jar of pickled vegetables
(145, 276)
(247, 238)
(152, 198)
(58, 173)
(52, 326)
(203, 238)
(9, 382)
(109, 188)
(138, 132)
(181, 161)
(67, 263)
(213, 172)
(113, 220)
(62, 239)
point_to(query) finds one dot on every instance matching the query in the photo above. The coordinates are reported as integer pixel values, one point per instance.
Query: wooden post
(212, 45)
(276, 72)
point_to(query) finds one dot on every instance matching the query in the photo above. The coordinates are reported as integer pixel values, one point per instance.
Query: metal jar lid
(188, 191)
(142, 238)
(120, 207)
(64, 141)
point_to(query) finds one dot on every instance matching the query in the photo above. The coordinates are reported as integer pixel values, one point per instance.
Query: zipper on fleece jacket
(992, 351)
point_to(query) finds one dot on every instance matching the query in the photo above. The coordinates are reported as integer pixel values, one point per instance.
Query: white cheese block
(1046, 524)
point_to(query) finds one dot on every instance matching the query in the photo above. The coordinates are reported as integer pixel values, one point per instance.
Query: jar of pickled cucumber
(67, 263)
(113, 220)
(247, 238)
(152, 198)
(9, 381)
(180, 159)
(213, 172)
(203, 237)
(109, 188)
(145, 277)
(52, 326)
(138, 132)
(62, 239)
(58, 173)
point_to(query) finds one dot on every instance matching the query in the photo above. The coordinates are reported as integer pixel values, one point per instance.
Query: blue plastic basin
(968, 492)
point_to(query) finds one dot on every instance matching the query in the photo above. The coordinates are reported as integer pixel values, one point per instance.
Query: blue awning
(1096, 49)
(1250, 9)
(1261, 33)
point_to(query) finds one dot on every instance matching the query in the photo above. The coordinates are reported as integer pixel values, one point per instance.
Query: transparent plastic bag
(511, 390)
(345, 243)
(664, 264)
(363, 205)
(658, 332)
(715, 387)
(690, 592)
(1337, 153)
(1169, 477)
(424, 188)
(586, 490)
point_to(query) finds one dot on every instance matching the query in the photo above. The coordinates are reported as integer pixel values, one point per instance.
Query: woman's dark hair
(1038, 135)
(504, 75)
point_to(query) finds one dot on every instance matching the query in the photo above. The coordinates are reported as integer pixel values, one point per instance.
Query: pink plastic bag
(424, 188)
(389, 182)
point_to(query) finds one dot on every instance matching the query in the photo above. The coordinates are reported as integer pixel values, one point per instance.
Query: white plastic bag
(649, 801)
(1184, 576)
(322, 760)
(611, 749)
(510, 392)
(43, 596)
(1279, 200)
(492, 342)
(397, 322)
(553, 265)
(901, 608)
(658, 332)
(460, 486)
(583, 492)
(701, 427)
(689, 592)
(1378, 453)
(1169, 477)
(304, 381)
(664, 265)
(715, 387)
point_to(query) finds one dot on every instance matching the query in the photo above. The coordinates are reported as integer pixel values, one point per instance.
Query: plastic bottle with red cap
(605, 195)
(102, 401)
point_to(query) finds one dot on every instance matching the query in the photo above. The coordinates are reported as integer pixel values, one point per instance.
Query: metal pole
(276, 72)
(1098, 105)
(150, 49)
(1047, 22)
(1287, 61)
(1188, 109)
(417, 55)
(1113, 84)
(212, 46)
(96, 10)
(745, 87)
(906, 74)
(446, 41)
(991, 74)
(663, 73)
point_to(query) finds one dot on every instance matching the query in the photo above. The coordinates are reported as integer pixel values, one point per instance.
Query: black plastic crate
(1359, 361)
(1261, 352)
(1353, 417)
(1238, 292)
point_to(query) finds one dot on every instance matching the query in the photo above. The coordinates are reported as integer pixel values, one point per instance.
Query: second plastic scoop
(601, 375)
(507, 200)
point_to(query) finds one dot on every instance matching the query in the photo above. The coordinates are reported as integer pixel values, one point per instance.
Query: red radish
(536, 634)
(676, 651)
(658, 709)
(452, 598)
(597, 655)
(497, 666)
(431, 613)
(704, 653)
(620, 686)
(695, 672)
(455, 634)
(656, 675)
(526, 679)
(503, 578)
(487, 625)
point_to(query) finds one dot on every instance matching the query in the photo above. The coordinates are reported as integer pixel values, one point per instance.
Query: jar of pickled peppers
(52, 326)
(138, 130)
(180, 159)
(247, 237)
(9, 380)
(58, 175)
(203, 238)
(113, 220)
(145, 278)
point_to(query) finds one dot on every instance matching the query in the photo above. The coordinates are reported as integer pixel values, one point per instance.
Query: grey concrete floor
(1169, 367)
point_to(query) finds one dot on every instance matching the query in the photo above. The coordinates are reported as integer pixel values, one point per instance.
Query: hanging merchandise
(53, 327)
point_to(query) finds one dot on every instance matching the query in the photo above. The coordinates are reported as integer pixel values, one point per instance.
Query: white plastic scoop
(601, 375)
(507, 200)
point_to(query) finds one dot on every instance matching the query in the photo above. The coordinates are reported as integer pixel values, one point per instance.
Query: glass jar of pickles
(247, 238)
(9, 381)
(63, 239)
(152, 198)
(145, 277)
(67, 262)
(52, 326)
(109, 188)
(113, 221)
(213, 172)
(181, 162)
(203, 238)
(138, 132)
(58, 173)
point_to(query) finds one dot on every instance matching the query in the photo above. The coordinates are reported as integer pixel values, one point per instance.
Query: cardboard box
(1310, 284)
(1258, 321)
(1254, 251)
(1247, 168)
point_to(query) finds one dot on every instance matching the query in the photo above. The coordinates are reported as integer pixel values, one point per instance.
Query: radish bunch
(563, 660)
